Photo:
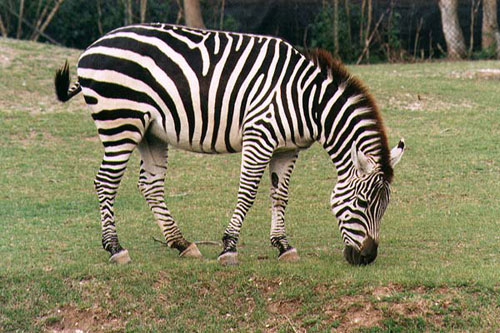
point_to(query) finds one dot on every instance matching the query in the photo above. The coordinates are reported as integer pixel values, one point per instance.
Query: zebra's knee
(100, 185)
(281, 243)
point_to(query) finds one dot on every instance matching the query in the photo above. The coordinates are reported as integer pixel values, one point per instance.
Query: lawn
(439, 258)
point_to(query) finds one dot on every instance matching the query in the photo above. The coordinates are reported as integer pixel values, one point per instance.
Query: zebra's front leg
(255, 157)
(280, 170)
(152, 186)
(106, 184)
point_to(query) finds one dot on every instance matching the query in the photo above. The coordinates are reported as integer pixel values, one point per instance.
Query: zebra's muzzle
(366, 256)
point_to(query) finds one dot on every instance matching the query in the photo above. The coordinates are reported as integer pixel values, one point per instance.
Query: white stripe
(240, 41)
(212, 96)
(217, 43)
(324, 85)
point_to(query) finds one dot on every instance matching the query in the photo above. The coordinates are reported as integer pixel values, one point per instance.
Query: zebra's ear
(360, 161)
(397, 152)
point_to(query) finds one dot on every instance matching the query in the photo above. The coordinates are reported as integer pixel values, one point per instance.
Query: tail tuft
(62, 81)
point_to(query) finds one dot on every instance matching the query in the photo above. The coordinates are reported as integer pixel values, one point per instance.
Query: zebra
(151, 86)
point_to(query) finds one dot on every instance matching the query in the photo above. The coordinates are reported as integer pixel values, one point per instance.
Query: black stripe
(118, 142)
(119, 129)
(118, 114)
(116, 153)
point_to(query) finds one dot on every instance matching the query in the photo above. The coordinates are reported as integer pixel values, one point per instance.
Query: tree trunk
(3, 30)
(361, 22)
(222, 6)
(368, 27)
(192, 14)
(20, 20)
(474, 8)
(99, 18)
(490, 25)
(143, 5)
(348, 18)
(453, 35)
(127, 12)
(336, 28)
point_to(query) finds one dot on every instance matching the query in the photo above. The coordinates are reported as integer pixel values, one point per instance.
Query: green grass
(438, 261)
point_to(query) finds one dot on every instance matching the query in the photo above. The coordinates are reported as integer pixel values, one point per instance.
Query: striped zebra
(157, 85)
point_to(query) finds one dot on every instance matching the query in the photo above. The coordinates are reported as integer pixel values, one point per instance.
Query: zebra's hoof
(191, 252)
(289, 256)
(228, 259)
(120, 258)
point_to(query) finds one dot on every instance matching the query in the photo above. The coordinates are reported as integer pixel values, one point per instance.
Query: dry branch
(369, 40)
(48, 19)
(20, 20)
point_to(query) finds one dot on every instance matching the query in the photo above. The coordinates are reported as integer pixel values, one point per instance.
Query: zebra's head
(359, 201)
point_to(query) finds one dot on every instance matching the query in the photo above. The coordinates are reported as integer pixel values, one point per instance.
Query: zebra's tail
(62, 81)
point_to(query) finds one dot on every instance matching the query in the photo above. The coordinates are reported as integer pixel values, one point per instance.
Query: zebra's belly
(208, 146)
(234, 145)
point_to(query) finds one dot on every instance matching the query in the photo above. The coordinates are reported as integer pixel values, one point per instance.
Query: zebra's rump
(201, 87)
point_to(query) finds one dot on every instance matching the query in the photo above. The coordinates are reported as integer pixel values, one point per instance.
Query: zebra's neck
(346, 115)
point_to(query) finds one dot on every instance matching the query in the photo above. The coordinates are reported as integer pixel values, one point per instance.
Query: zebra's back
(195, 89)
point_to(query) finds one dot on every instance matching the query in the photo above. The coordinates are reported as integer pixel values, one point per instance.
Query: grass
(438, 261)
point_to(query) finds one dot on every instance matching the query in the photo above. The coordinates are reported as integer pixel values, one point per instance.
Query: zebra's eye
(361, 203)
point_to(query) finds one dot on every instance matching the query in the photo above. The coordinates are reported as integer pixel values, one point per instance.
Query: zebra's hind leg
(106, 184)
(280, 170)
(256, 154)
(151, 183)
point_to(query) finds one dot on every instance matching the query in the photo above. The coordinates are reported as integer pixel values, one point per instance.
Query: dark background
(304, 23)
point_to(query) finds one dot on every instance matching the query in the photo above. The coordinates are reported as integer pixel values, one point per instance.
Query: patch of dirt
(72, 319)
(483, 74)
(283, 307)
(419, 102)
(365, 316)
(352, 312)
(381, 292)
(367, 308)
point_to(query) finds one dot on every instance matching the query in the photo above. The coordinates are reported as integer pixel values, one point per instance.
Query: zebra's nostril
(355, 257)
(369, 248)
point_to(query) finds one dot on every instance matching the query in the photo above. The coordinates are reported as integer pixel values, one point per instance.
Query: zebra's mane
(335, 70)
